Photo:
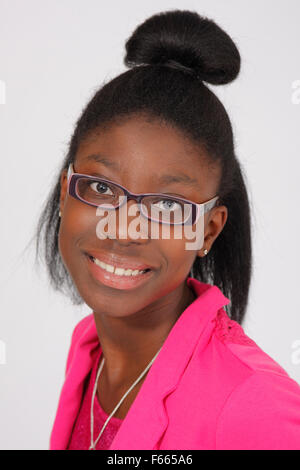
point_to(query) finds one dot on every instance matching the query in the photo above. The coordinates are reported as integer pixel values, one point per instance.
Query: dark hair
(178, 98)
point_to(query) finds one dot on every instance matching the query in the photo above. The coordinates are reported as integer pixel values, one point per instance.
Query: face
(137, 152)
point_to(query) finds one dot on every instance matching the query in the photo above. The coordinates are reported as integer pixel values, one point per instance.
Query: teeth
(118, 271)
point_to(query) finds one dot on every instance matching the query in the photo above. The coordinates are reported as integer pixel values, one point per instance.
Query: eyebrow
(179, 178)
(101, 159)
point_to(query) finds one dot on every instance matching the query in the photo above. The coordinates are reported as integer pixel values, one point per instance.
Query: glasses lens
(169, 210)
(98, 192)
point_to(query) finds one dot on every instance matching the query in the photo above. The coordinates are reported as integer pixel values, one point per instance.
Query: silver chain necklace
(94, 443)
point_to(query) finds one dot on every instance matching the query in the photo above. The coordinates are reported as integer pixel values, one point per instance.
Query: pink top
(210, 387)
(81, 435)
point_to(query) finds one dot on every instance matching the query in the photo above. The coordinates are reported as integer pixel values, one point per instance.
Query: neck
(129, 343)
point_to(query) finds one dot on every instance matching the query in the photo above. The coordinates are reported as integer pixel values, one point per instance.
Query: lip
(118, 261)
(114, 280)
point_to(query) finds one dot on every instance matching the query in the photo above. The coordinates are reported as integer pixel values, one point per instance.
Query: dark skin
(133, 324)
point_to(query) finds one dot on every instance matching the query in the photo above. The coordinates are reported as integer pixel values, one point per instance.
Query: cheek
(178, 263)
(73, 233)
(178, 258)
(185, 242)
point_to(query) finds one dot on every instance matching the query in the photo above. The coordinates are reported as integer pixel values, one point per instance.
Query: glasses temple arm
(210, 204)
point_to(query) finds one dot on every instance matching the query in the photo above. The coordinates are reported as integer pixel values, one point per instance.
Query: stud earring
(205, 252)
(59, 214)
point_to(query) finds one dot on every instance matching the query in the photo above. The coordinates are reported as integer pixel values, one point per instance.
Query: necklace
(94, 443)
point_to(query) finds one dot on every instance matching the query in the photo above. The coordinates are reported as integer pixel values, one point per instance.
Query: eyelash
(167, 194)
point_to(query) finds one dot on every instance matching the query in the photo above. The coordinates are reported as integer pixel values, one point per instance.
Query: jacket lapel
(147, 420)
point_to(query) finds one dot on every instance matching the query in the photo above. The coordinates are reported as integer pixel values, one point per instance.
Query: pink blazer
(210, 387)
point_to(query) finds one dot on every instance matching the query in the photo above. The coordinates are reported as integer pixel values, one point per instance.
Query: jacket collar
(192, 328)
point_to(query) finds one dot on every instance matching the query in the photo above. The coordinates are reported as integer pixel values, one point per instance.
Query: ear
(63, 189)
(213, 226)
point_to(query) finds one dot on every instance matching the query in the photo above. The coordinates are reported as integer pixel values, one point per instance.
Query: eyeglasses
(157, 207)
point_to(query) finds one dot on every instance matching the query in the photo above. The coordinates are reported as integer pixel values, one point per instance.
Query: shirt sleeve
(262, 413)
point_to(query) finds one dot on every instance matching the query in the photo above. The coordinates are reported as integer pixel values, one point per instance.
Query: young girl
(162, 361)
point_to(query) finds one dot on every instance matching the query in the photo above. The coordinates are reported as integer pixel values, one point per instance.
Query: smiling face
(138, 154)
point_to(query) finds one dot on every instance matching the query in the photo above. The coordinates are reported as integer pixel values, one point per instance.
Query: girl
(162, 362)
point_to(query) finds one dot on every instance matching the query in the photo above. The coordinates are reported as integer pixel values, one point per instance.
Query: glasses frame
(197, 208)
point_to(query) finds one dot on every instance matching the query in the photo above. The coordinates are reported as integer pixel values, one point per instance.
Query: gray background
(53, 56)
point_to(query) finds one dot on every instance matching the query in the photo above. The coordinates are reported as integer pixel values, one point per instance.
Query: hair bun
(191, 40)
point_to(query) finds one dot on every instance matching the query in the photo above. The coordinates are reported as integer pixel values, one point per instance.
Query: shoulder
(79, 330)
(81, 327)
(262, 410)
(245, 350)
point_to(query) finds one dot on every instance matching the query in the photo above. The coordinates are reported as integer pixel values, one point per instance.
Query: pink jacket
(210, 387)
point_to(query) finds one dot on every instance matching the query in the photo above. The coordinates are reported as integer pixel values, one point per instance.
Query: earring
(205, 252)
(59, 214)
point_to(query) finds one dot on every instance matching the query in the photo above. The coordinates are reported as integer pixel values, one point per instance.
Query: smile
(118, 270)
(117, 277)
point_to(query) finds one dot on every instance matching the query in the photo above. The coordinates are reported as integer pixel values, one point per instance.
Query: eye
(168, 204)
(100, 187)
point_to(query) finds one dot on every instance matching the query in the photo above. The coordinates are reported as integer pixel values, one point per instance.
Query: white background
(53, 56)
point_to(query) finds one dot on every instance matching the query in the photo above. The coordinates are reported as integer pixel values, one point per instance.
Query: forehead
(146, 148)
